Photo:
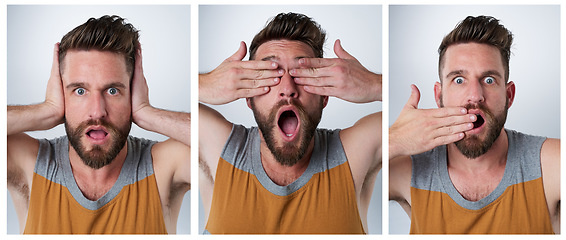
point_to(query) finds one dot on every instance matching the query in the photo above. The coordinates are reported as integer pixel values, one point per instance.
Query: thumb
(414, 98)
(340, 52)
(240, 54)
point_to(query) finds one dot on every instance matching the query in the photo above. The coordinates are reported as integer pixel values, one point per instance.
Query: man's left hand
(343, 77)
(139, 89)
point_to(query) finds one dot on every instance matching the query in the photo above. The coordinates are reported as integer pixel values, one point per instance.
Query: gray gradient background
(221, 28)
(165, 38)
(416, 33)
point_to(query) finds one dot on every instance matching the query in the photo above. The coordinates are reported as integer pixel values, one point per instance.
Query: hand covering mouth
(288, 123)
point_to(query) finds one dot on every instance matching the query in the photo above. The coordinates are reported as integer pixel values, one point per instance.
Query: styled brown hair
(107, 33)
(294, 27)
(480, 29)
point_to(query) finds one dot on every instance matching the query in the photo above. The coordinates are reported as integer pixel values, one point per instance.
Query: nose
(287, 87)
(97, 107)
(475, 92)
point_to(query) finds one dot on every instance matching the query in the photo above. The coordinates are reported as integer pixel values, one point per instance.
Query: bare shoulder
(214, 131)
(171, 154)
(362, 145)
(550, 161)
(363, 139)
(400, 171)
(550, 164)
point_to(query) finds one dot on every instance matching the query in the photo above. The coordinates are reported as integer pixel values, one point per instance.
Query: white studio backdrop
(415, 32)
(33, 30)
(221, 28)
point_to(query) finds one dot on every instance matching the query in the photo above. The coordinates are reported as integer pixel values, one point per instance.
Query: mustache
(97, 122)
(292, 102)
(478, 106)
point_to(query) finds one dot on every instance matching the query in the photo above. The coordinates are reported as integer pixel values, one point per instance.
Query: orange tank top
(57, 205)
(517, 205)
(245, 200)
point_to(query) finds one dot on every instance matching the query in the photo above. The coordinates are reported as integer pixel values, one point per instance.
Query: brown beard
(472, 146)
(288, 154)
(97, 158)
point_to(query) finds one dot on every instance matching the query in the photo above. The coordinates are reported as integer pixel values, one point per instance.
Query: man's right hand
(234, 79)
(419, 130)
(45, 115)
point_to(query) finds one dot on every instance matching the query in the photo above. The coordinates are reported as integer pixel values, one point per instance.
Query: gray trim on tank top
(242, 150)
(53, 164)
(430, 169)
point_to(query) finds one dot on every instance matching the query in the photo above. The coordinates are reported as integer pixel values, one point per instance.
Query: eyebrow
(464, 72)
(84, 85)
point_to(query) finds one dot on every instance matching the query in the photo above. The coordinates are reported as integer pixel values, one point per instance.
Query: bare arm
(176, 125)
(400, 170)
(550, 164)
(23, 149)
(41, 116)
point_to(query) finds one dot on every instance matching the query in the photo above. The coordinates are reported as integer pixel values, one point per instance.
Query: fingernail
(470, 125)
(301, 61)
(473, 117)
(265, 89)
(276, 79)
(281, 71)
(463, 110)
(293, 71)
(274, 64)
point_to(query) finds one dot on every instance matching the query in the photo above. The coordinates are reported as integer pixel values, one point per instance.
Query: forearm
(32, 118)
(176, 125)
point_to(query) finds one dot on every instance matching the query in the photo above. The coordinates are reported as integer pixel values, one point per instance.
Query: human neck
(280, 174)
(495, 156)
(476, 178)
(94, 183)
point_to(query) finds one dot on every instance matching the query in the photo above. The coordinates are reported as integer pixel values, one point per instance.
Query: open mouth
(479, 122)
(288, 123)
(97, 134)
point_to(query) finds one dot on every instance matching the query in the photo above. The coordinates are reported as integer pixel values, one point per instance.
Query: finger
(443, 140)
(414, 98)
(240, 54)
(340, 52)
(55, 63)
(252, 74)
(323, 91)
(315, 62)
(454, 129)
(257, 83)
(455, 120)
(310, 72)
(252, 92)
(317, 82)
(258, 65)
(448, 111)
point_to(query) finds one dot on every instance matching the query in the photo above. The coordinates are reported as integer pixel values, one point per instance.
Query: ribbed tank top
(57, 205)
(517, 205)
(246, 200)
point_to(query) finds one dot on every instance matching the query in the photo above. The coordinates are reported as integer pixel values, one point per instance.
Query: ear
(437, 93)
(510, 92)
(248, 101)
(324, 101)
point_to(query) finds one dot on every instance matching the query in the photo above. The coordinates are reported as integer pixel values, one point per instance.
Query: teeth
(289, 134)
